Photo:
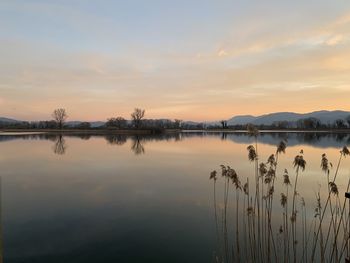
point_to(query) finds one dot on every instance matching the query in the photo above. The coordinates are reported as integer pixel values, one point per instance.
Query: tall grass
(257, 234)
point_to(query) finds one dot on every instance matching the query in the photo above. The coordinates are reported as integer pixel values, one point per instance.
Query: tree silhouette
(118, 122)
(137, 117)
(178, 123)
(60, 116)
(224, 124)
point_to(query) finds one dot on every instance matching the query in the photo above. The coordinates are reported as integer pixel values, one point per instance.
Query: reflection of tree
(84, 136)
(223, 136)
(116, 139)
(340, 137)
(137, 146)
(60, 145)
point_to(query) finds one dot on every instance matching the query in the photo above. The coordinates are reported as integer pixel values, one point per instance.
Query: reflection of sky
(102, 199)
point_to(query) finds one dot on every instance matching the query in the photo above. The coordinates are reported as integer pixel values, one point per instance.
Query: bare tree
(339, 124)
(118, 122)
(178, 123)
(137, 117)
(60, 116)
(224, 124)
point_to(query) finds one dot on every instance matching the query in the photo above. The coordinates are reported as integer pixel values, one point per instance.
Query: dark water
(130, 198)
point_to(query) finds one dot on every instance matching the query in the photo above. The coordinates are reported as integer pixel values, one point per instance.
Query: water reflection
(60, 145)
(102, 199)
(321, 139)
(137, 145)
(116, 139)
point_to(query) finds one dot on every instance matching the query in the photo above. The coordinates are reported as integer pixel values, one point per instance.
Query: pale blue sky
(187, 59)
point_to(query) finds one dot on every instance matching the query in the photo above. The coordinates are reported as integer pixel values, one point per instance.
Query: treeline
(304, 124)
(60, 117)
(138, 121)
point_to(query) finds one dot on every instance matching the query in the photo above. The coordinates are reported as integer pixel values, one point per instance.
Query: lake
(114, 198)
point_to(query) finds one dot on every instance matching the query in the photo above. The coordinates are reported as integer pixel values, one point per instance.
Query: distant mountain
(8, 120)
(241, 119)
(325, 117)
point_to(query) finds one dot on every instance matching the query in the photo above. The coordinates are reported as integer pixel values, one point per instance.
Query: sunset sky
(187, 59)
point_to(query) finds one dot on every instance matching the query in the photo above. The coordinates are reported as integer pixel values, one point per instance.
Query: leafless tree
(178, 123)
(224, 124)
(60, 116)
(118, 122)
(137, 117)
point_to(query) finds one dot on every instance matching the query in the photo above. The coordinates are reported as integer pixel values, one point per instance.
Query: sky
(186, 59)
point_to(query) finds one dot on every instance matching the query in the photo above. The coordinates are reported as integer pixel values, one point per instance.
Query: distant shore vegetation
(138, 121)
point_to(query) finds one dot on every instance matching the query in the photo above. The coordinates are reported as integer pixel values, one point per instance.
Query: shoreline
(153, 132)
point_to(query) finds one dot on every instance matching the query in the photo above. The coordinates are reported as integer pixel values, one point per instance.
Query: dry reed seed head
(213, 175)
(333, 188)
(299, 162)
(231, 173)
(223, 170)
(271, 160)
(271, 190)
(286, 180)
(324, 163)
(270, 175)
(252, 130)
(262, 169)
(283, 199)
(234, 177)
(252, 156)
(281, 147)
(267, 179)
(237, 184)
(345, 151)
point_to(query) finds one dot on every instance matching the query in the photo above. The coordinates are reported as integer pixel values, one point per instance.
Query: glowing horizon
(200, 61)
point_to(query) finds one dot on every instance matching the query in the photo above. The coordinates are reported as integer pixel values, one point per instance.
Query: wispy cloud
(251, 66)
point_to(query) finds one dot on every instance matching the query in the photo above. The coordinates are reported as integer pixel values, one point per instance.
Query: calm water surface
(132, 199)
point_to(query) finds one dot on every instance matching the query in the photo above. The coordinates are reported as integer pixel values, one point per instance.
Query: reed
(257, 235)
